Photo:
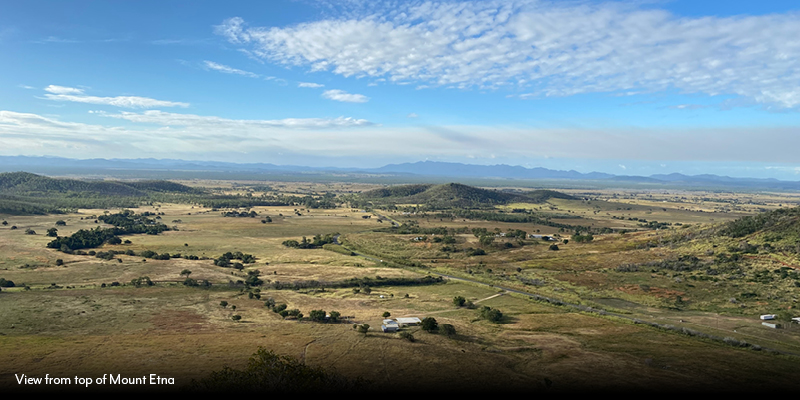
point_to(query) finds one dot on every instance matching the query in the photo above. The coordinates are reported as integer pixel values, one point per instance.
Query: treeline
(315, 243)
(506, 217)
(125, 223)
(225, 260)
(356, 283)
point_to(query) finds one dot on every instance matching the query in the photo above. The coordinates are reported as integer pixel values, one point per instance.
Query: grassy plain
(67, 324)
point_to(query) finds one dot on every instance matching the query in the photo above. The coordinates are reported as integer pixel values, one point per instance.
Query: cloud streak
(541, 49)
(228, 70)
(62, 93)
(210, 122)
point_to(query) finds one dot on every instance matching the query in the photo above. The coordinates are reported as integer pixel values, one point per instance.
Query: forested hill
(782, 225)
(24, 183)
(26, 193)
(455, 195)
(23, 193)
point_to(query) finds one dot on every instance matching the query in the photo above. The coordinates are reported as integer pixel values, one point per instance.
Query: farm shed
(409, 321)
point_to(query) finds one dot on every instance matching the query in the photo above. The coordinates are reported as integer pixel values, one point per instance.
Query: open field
(65, 318)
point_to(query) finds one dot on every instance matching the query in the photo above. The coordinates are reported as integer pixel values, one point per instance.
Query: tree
(233, 307)
(335, 316)
(429, 324)
(59, 262)
(236, 317)
(186, 273)
(459, 301)
(142, 280)
(61, 223)
(553, 247)
(448, 329)
(317, 315)
(387, 314)
(5, 223)
(363, 328)
(267, 372)
(252, 278)
(52, 232)
(30, 231)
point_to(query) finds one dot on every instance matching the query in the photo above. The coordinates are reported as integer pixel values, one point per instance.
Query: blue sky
(621, 87)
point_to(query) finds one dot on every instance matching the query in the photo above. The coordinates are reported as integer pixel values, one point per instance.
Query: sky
(623, 87)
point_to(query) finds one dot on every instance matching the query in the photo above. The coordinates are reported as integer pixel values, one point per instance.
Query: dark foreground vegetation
(272, 373)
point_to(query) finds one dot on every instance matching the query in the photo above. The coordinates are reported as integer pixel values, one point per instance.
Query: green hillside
(455, 195)
(24, 193)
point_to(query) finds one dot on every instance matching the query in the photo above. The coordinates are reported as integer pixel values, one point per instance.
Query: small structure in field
(771, 325)
(390, 326)
(409, 321)
(767, 317)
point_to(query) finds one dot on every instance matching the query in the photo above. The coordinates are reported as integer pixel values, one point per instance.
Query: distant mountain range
(61, 166)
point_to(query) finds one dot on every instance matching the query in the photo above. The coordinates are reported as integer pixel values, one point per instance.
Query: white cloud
(341, 95)
(545, 48)
(310, 85)
(211, 122)
(25, 86)
(229, 70)
(62, 90)
(412, 115)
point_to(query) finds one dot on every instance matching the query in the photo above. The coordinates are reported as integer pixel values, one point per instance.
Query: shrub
(491, 314)
(429, 324)
(459, 301)
(407, 336)
(553, 247)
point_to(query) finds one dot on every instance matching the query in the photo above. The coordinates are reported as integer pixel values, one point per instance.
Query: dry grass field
(67, 323)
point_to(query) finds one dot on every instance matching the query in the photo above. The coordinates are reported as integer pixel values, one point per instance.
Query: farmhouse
(390, 326)
(543, 237)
